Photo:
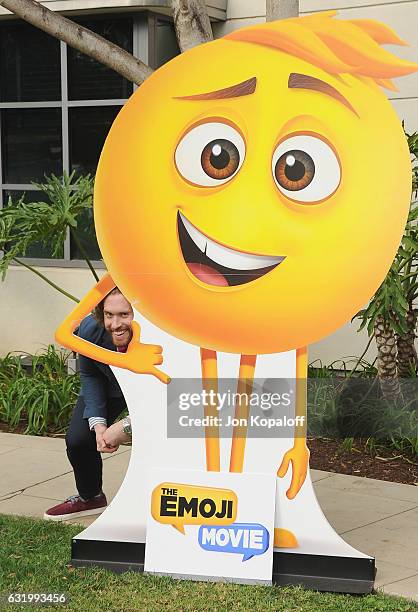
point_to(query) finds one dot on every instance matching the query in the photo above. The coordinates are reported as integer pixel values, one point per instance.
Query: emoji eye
(306, 169)
(294, 170)
(210, 154)
(220, 159)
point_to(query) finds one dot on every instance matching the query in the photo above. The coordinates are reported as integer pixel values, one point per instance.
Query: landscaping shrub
(343, 404)
(41, 399)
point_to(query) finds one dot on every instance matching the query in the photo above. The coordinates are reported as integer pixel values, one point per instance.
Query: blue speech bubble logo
(247, 539)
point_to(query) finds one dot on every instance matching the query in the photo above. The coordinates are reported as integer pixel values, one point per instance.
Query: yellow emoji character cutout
(240, 202)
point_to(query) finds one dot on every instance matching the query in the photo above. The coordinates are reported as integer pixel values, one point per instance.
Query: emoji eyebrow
(303, 81)
(245, 88)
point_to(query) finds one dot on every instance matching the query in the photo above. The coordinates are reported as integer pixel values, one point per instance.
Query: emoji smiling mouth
(218, 265)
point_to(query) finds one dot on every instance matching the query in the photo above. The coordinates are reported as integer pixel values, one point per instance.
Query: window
(88, 128)
(166, 43)
(29, 64)
(32, 144)
(90, 80)
(57, 106)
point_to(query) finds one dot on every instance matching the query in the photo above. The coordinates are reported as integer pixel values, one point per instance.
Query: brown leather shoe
(75, 507)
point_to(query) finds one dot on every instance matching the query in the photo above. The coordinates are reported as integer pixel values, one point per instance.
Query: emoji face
(247, 201)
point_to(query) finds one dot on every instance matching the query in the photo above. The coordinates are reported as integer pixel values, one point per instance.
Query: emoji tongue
(207, 275)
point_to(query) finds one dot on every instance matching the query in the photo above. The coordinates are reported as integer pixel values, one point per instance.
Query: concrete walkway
(379, 518)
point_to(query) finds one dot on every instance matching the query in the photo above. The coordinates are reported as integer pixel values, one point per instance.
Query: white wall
(30, 310)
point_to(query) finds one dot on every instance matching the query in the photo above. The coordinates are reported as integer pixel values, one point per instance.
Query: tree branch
(192, 23)
(281, 9)
(80, 38)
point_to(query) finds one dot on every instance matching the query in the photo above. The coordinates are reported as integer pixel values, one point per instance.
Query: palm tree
(391, 315)
(407, 361)
(384, 318)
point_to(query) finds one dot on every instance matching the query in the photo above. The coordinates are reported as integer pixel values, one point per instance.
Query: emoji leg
(242, 411)
(210, 383)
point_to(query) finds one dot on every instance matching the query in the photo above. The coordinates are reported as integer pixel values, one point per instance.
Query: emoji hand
(299, 457)
(142, 358)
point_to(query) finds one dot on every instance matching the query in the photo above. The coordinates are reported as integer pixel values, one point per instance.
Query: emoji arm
(298, 455)
(139, 358)
(65, 332)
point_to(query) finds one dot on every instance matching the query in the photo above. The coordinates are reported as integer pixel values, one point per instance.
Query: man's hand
(101, 445)
(142, 358)
(299, 457)
(114, 435)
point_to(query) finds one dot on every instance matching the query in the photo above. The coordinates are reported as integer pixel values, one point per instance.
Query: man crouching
(99, 404)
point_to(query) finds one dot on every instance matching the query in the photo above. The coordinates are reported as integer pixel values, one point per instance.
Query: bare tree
(281, 9)
(191, 20)
(80, 38)
(192, 23)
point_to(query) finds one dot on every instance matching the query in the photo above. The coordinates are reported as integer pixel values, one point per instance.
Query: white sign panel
(211, 525)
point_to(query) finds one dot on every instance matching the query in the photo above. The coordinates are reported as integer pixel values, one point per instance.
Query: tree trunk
(192, 23)
(281, 9)
(80, 38)
(407, 360)
(386, 358)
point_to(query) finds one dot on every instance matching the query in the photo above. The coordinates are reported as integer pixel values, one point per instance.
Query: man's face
(118, 316)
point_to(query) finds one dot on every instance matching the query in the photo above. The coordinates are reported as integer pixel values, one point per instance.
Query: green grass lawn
(34, 557)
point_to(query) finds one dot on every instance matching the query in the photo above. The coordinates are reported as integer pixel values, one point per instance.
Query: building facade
(57, 105)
